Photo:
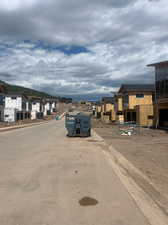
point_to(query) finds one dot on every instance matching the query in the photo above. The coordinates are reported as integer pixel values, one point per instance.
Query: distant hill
(14, 89)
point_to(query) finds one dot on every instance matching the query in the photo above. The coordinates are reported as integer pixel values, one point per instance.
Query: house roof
(108, 99)
(136, 88)
(163, 63)
(14, 95)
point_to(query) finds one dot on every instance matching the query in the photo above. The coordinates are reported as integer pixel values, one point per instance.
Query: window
(1, 100)
(139, 95)
(119, 113)
(13, 98)
(150, 117)
(162, 82)
(126, 98)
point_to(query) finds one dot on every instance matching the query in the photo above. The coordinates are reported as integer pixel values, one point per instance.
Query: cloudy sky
(81, 47)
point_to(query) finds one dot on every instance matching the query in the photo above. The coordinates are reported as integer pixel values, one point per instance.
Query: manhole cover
(87, 201)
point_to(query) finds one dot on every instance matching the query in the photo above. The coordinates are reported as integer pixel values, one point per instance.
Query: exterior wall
(33, 115)
(109, 107)
(1, 113)
(9, 115)
(13, 103)
(47, 107)
(161, 74)
(145, 115)
(119, 104)
(105, 118)
(98, 111)
(118, 108)
(28, 106)
(53, 106)
(103, 108)
(130, 115)
(134, 101)
(157, 108)
(113, 114)
(36, 106)
(120, 118)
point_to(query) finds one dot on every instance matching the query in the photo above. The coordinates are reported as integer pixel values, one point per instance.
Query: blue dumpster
(78, 125)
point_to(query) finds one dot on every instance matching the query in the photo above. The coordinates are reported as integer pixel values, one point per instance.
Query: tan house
(135, 97)
(107, 109)
(161, 94)
(98, 110)
(118, 108)
(145, 115)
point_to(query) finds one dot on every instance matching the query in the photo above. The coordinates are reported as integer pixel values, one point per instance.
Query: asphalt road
(44, 175)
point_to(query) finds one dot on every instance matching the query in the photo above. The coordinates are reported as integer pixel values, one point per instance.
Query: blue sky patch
(66, 49)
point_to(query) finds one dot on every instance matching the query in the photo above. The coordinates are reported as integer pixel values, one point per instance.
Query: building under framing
(161, 94)
(134, 96)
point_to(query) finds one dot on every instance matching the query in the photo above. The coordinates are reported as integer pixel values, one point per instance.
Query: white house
(37, 110)
(47, 108)
(1, 113)
(36, 106)
(14, 107)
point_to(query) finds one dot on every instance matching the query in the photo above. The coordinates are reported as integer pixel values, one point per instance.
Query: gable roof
(14, 95)
(136, 88)
(108, 99)
(163, 63)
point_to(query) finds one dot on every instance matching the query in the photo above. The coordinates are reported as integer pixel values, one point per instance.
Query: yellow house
(145, 115)
(118, 108)
(134, 95)
(98, 110)
(107, 109)
(161, 94)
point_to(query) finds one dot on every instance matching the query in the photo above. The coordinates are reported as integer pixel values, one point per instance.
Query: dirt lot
(147, 150)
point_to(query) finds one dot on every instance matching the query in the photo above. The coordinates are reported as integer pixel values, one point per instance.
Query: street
(44, 175)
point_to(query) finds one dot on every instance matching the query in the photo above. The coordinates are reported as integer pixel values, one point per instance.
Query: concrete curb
(3, 129)
(155, 211)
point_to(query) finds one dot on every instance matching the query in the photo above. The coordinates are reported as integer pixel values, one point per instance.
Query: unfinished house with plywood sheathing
(107, 109)
(118, 108)
(161, 94)
(98, 110)
(137, 101)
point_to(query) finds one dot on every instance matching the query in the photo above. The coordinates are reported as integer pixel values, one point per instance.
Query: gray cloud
(120, 38)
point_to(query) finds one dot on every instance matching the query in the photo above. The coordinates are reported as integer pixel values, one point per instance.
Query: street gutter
(3, 129)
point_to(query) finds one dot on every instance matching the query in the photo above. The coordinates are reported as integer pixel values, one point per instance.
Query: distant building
(37, 109)
(133, 96)
(107, 109)
(14, 107)
(118, 108)
(161, 93)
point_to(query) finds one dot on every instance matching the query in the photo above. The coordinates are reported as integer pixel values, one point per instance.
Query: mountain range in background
(15, 89)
